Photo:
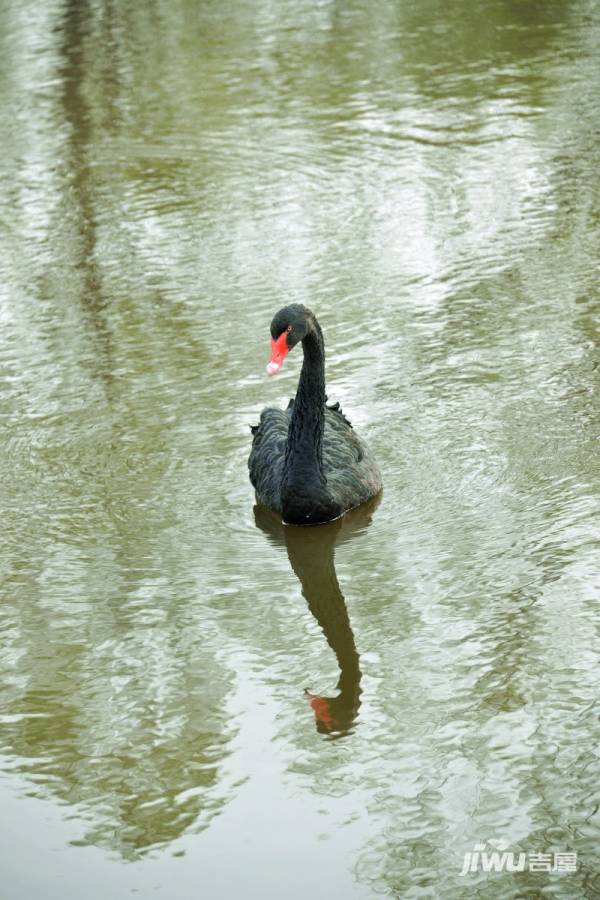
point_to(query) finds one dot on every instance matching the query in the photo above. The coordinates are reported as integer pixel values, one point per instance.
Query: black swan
(307, 463)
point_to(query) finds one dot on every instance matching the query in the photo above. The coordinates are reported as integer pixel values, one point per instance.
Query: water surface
(193, 701)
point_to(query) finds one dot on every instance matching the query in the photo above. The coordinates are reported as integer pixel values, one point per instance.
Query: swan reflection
(311, 553)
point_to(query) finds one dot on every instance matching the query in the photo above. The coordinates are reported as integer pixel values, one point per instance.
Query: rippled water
(195, 701)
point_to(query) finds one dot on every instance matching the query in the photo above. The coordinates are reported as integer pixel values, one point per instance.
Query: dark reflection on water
(83, 225)
(99, 721)
(311, 555)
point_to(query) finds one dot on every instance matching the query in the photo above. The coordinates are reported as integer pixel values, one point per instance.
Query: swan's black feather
(267, 455)
(307, 462)
(350, 471)
(335, 407)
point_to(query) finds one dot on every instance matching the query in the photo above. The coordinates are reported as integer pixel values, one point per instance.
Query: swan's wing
(351, 471)
(266, 457)
(341, 445)
(337, 409)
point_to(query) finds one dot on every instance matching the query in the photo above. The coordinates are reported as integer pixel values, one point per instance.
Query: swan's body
(307, 463)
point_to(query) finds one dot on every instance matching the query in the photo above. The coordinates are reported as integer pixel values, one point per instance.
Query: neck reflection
(311, 551)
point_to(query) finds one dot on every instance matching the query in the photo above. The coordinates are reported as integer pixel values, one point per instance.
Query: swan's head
(290, 325)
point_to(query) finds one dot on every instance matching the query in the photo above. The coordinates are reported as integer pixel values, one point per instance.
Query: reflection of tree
(111, 696)
(77, 114)
(128, 726)
(311, 554)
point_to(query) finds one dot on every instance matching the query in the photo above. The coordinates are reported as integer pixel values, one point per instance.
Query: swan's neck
(304, 451)
(312, 560)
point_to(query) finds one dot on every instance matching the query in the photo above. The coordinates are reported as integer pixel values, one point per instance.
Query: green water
(424, 176)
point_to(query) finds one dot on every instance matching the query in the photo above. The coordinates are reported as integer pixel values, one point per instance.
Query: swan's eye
(289, 328)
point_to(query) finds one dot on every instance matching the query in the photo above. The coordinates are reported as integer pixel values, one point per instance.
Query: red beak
(321, 709)
(279, 350)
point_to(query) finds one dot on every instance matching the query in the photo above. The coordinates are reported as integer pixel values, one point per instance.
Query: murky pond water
(195, 701)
